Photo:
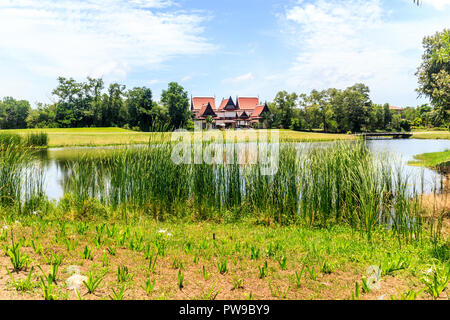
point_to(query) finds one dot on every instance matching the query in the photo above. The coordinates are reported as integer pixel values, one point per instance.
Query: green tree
(286, 103)
(434, 73)
(140, 104)
(176, 100)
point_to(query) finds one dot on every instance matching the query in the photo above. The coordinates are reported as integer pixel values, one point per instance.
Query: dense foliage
(434, 73)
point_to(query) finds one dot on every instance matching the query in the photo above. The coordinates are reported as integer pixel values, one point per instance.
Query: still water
(400, 151)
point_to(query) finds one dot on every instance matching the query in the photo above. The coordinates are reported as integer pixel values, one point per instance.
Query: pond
(401, 151)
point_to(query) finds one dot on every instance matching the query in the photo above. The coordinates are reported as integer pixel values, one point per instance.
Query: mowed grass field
(432, 135)
(116, 136)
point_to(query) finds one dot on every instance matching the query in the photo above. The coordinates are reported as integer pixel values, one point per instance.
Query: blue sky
(221, 48)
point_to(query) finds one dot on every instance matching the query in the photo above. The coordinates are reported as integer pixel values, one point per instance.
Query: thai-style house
(244, 113)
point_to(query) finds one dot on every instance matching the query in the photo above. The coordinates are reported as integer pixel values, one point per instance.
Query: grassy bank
(432, 160)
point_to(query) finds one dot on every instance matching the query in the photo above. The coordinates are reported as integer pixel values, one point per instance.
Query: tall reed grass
(34, 139)
(21, 179)
(342, 183)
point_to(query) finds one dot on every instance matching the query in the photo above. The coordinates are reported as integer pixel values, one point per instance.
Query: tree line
(90, 104)
(342, 111)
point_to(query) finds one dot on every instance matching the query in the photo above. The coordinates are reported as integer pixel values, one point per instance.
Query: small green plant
(254, 253)
(355, 294)
(211, 294)
(436, 280)
(93, 282)
(47, 289)
(87, 254)
(152, 263)
(313, 274)
(327, 268)
(391, 264)
(105, 260)
(123, 274)
(205, 274)
(118, 295)
(279, 292)
(238, 283)
(180, 278)
(298, 277)
(52, 275)
(263, 271)
(82, 228)
(22, 285)
(249, 296)
(282, 261)
(177, 264)
(222, 266)
(365, 286)
(19, 261)
(408, 295)
(149, 287)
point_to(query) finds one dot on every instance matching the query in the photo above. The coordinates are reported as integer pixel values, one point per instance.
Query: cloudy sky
(221, 48)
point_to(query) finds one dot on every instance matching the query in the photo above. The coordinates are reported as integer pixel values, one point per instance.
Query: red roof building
(230, 114)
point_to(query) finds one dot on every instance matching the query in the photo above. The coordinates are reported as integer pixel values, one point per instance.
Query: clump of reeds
(36, 139)
(342, 183)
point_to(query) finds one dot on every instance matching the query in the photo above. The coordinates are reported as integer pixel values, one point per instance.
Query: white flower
(163, 231)
(169, 234)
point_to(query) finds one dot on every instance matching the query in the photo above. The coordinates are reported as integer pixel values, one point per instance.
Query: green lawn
(116, 136)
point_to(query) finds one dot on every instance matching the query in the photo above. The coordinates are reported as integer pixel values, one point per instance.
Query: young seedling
(211, 294)
(436, 280)
(327, 268)
(47, 289)
(409, 295)
(105, 261)
(87, 253)
(22, 285)
(355, 295)
(222, 266)
(205, 274)
(254, 253)
(92, 283)
(263, 271)
(118, 295)
(180, 278)
(313, 274)
(278, 292)
(298, 277)
(238, 283)
(283, 263)
(149, 286)
(19, 261)
(123, 275)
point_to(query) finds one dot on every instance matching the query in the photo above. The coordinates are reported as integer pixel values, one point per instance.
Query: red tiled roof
(258, 111)
(202, 112)
(200, 102)
(248, 103)
(223, 104)
(395, 108)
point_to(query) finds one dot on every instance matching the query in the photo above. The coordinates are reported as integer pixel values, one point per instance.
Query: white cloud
(239, 79)
(96, 38)
(340, 43)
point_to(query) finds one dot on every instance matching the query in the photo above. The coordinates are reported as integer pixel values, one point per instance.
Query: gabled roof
(260, 110)
(248, 103)
(207, 111)
(244, 115)
(199, 102)
(228, 105)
